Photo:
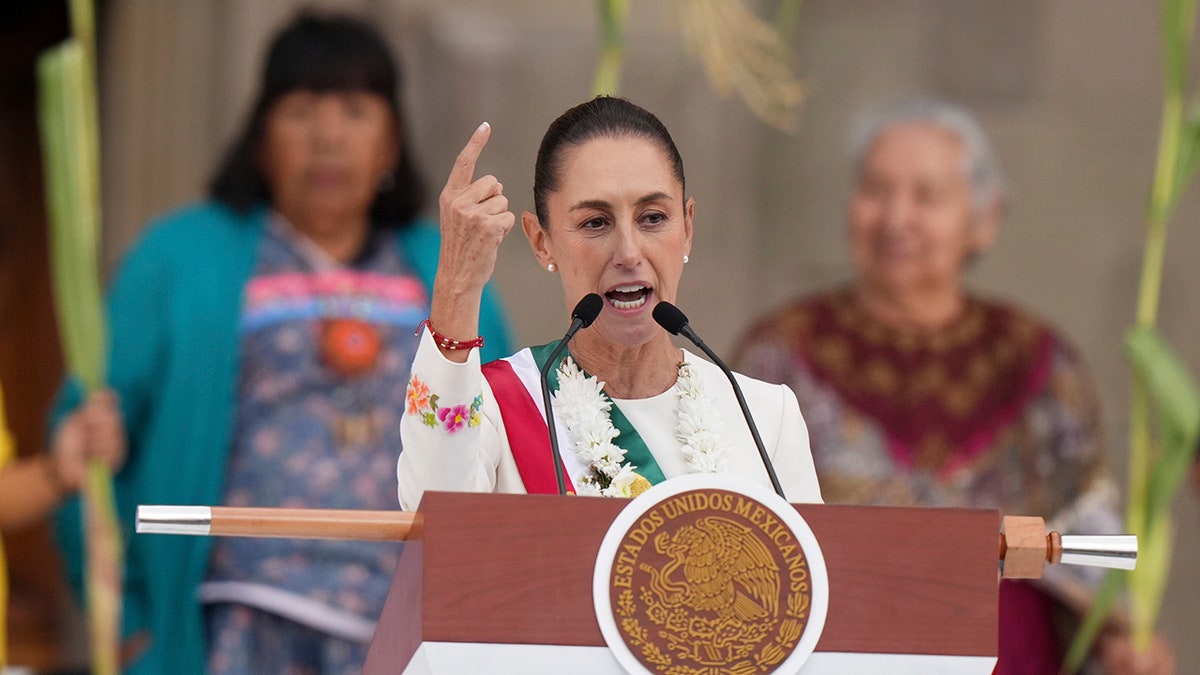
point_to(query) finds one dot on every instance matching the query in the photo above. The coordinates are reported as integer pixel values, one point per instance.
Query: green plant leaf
(1189, 154)
(1148, 581)
(1177, 401)
(607, 78)
(74, 211)
(1178, 18)
(1173, 147)
(786, 19)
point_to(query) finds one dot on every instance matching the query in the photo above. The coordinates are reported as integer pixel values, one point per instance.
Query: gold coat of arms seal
(708, 575)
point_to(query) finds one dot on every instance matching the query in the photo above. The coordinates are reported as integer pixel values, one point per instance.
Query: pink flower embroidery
(455, 417)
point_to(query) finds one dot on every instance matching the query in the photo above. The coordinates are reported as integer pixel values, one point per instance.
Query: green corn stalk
(1165, 405)
(786, 19)
(607, 79)
(70, 141)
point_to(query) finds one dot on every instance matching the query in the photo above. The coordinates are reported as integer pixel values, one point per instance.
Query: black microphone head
(588, 309)
(670, 317)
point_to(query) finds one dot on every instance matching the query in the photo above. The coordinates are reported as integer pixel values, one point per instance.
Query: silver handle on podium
(174, 520)
(1026, 547)
(1115, 551)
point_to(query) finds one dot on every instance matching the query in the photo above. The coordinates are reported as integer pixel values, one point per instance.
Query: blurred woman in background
(260, 346)
(918, 392)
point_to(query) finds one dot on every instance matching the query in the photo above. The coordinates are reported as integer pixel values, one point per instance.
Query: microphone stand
(582, 316)
(675, 322)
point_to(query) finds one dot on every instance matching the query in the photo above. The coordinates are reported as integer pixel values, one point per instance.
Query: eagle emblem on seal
(719, 566)
(716, 597)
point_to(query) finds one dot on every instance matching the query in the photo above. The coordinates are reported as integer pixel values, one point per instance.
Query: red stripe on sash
(526, 430)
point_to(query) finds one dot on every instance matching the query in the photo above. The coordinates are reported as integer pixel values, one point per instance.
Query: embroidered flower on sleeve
(473, 420)
(424, 405)
(418, 395)
(453, 418)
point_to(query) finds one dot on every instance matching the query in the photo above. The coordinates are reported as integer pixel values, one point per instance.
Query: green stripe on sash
(636, 452)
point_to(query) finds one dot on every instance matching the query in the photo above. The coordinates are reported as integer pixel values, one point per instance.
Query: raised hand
(474, 221)
(474, 218)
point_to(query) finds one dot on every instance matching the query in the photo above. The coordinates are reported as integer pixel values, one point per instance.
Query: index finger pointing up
(464, 166)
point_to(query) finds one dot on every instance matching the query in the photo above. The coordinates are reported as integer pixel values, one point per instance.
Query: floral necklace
(582, 406)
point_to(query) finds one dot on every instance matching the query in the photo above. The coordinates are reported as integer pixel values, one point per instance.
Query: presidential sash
(516, 386)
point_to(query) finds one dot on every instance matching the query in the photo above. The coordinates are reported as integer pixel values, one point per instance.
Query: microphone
(582, 316)
(676, 323)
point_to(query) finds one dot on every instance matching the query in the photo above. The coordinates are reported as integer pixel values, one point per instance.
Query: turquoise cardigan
(173, 311)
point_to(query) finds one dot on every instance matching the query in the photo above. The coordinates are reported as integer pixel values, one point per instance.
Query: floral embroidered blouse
(455, 436)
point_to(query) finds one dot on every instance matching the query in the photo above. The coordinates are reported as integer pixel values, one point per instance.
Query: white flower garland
(705, 450)
(582, 406)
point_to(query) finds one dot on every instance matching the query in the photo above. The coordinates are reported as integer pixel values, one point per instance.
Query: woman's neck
(341, 238)
(629, 372)
(919, 309)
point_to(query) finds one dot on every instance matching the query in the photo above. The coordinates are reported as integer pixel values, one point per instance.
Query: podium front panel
(516, 570)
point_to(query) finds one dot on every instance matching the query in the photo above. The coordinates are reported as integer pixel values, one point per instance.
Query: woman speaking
(630, 408)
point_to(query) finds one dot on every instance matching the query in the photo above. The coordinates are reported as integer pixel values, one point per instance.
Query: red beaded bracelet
(448, 343)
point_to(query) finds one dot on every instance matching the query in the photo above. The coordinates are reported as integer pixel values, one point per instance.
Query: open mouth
(628, 297)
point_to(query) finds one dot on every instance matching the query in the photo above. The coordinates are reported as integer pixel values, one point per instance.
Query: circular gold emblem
(707, 580)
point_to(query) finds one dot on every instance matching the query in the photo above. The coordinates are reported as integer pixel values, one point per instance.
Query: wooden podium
(503, 584)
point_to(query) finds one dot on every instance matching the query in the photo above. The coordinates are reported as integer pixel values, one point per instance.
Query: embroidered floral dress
(326, 350)
(993, 411)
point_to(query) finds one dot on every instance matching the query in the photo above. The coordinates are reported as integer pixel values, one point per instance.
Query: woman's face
(324, 154)
(912, 220)
(618, 226)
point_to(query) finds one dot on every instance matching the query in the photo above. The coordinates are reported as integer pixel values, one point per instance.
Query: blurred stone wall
(1070, 91)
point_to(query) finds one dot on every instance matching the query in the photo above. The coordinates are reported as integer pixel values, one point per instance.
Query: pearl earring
(551, 267)
(685, 258)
